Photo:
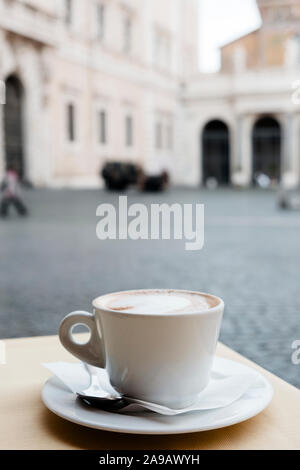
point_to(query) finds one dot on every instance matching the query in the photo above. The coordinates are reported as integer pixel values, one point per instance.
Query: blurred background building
(244, 121)
(91, 81)
(95, 81)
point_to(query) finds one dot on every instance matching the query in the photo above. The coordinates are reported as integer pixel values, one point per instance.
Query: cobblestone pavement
(52, 263)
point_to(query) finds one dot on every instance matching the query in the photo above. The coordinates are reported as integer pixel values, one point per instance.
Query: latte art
(158, 302)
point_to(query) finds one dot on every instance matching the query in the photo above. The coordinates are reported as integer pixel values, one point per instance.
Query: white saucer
(64, 404)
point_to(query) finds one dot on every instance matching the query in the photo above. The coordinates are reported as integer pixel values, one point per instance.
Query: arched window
(13, 125)
(215, 152)
(266, 144)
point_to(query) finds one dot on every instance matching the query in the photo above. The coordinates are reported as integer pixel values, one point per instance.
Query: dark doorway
(13, 125)
(215, 152)
(266, 141)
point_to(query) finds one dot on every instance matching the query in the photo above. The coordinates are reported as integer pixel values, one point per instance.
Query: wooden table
(25, 423)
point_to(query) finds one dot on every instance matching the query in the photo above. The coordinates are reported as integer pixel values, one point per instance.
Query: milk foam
(158, 302)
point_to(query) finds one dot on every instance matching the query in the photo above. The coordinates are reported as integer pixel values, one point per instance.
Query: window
(68, 11)
(102, 129)
(157, 48)
(163, 132)
(100, 16)
(158, 135)
(165, 52)
(162, 49)
(71, 124)
(297, 48)
(127, 34)
(129, 131)
(169, 135)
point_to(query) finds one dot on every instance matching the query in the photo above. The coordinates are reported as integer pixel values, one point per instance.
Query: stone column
(2, 143)
(290, 150)
(2, 99)
(188, 148)
(241, 153)
(148, 156)
(296, 152)
(36, 152)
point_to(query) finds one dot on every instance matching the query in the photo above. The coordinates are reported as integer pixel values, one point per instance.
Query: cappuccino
(157, 302)
(156, 345)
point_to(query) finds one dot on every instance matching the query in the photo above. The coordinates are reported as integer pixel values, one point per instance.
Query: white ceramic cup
(159, 358)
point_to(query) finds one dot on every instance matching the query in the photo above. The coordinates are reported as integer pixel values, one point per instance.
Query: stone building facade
(244, 121)
(92, 80)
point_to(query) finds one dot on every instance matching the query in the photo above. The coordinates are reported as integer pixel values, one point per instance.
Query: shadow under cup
(160, 358)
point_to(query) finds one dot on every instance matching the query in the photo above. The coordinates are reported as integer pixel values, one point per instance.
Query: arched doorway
(215, 152)
(266, 144)
(13, 125)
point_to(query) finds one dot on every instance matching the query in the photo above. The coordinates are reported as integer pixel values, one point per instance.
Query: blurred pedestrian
(11, 194)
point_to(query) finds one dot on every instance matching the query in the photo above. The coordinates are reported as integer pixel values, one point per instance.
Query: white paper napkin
(229, 382)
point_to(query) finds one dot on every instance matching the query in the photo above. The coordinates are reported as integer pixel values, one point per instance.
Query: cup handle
(90, 352)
